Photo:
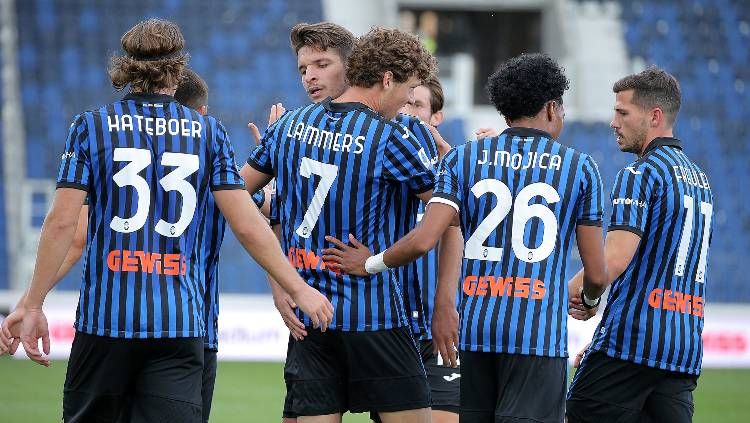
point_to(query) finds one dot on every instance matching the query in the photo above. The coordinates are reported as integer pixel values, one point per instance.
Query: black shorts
(614, 390)
(209, 380)
(334, 372)
(498, 387)
(133, 380)
(444, 381)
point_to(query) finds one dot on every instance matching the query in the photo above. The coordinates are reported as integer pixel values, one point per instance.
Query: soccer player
(148, 164)
(337, 166)
(519, 198)
(419, 279)
(645, 357)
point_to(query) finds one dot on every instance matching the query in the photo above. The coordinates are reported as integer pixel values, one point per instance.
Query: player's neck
(536, 122)
(366, 96)
(163, 91)
(652, 135)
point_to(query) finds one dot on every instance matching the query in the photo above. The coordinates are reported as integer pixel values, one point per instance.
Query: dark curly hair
(153, 57)
(192, 91)
(388, 49)
(522, 85)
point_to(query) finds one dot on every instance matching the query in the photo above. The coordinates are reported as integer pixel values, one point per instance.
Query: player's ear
(656, 117)
(549, 107)
(203, 110)
(436, 118)
(387, 79)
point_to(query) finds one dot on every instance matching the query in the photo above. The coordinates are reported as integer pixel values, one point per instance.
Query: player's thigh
(99, 379)
(530, 388)
(314, 376)
(209, 381)
(421, 415)
(609, 389)
(672, 399)
(169, 385)
(444, 382)
(385, 371)
(478, 391)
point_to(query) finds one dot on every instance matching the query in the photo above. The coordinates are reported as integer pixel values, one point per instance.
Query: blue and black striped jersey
(654, 312)
(419, 278)
(338, 167)
(211, 239)
(520, 196)
(148, 165)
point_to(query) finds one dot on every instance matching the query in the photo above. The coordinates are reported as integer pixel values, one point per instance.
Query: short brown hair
(388, 49)
(192, 91)
(322, 36)
(653, 87)
(437, 99)
(153, 57)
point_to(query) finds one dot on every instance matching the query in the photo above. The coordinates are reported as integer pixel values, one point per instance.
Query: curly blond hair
(388, 49)
(153, 57)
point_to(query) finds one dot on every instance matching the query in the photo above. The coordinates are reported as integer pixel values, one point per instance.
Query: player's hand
(486, 133)
(442, 146)
(580, 355)
(576, 309)
(255, 132)
(10, 332)
(445, 333)
(34, 327)
(316, 306)
(347, 258)
(276, 111)
(285, 305)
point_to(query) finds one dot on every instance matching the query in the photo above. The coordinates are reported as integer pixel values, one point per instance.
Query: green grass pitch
(253, 392)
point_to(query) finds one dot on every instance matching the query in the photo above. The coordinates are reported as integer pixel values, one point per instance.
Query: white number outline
(707, 209)
(328, 174)
(522, 213)
(139, 159)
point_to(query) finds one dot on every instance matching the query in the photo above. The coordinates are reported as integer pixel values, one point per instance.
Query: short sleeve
(260, 156)
(631, 198)
(224, 171)
(75, 164)
(447, 188)
(406, 161)
(591, 201)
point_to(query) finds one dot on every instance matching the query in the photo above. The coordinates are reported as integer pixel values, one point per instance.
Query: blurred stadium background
(53, 60)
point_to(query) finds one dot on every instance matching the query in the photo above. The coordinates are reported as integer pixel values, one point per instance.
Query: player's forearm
(409, 248)
(54, 242)
(449, 266)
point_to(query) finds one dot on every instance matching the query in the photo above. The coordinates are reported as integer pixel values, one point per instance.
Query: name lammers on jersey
(146, 262)
(517, 161)
(155, 126)
(691, 177)
(329, 140)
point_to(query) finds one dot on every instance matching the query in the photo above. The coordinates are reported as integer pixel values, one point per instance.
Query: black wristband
(583, 301)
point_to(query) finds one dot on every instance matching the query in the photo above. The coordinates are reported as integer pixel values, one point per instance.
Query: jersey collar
(663, 142)
(342, 107)
(149, 98)
(518, 131)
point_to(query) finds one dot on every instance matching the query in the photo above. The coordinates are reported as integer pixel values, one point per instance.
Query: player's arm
(445, 315)
(254, 179)
(619, 248)
(357, 259)
(284, 302)
(28, 320)
(77, 246)
(256, 237)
